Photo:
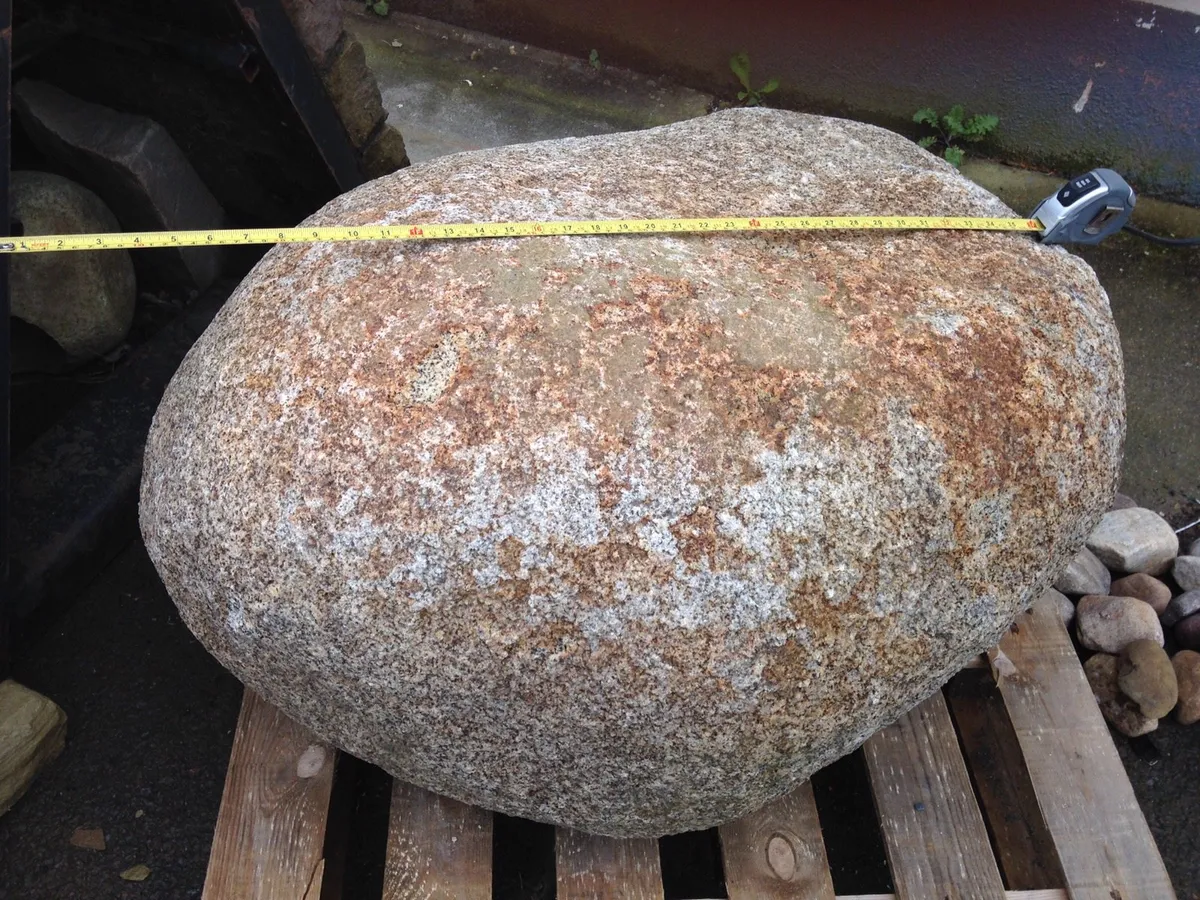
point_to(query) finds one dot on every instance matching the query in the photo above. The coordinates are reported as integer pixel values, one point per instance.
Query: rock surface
(1187, 632)
(633, 533)
(1123, 501)
(1085, 575)
(1145, 676)
(1144, 587)
(1134, 540)
(1112, 623)
(1123, 713)
(1187, 674)
(1061, 602)
(33, 731)
(136, 167)
(83, 301)
(1180, 607)
(1186, 572)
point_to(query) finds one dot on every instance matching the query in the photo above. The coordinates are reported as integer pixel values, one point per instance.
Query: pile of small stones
(1132, 597)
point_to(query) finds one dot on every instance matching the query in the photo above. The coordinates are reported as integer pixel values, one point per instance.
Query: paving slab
(448, 89)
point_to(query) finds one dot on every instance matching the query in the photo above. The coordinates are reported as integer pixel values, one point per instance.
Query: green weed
(952, 128)
(739, 63)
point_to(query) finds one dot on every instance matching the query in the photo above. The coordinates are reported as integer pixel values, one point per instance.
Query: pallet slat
(597, 868)
(778, 852)
(937, 844)
(1043, 894)
(437, 848)
(1024, 848)
(1048, 776)
(271, 827)
(1103, 842)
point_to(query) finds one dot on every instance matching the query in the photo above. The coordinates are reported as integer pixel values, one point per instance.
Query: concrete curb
(1023, 190)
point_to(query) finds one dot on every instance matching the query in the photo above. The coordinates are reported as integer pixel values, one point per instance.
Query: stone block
(354, 92)
(136, 168)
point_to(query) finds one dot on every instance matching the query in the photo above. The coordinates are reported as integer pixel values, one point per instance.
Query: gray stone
(1112, 623)
(1187, 674)
(1123, 501)
(385, 153)
(1180, 607)
(633, 533)
(1145, 587)
(354, 92)
(1061, 602)
(1186, 572)
(83, 301)
(1187, 632)
(135, 166)
(1134, 540)
(1121, 712)
(1145, 676)
(1194, 549)
(1085, 575)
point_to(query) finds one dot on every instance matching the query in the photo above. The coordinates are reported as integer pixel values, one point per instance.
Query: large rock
(1112, 623)
(1144, 587)
(1123, 713)
(633, 533)
(137, 169)
(83, 301)
(1145, 676)
(33, 731)
(1186, 572)
(1134, 540)
(1084, 575)
(1180, 607)
(1187, 673)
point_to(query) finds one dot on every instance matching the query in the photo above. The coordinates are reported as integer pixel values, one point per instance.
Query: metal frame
(286, 55)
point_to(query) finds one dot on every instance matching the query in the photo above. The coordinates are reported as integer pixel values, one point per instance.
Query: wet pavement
(151, 715)
(150, 718)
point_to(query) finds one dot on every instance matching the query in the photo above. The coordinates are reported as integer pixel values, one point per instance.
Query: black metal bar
(287, 57)
(5, 356)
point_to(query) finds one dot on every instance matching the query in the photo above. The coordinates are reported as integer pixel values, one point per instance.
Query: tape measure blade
(469, 230)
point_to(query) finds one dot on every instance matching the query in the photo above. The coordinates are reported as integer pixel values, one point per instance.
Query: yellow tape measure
(431, 232)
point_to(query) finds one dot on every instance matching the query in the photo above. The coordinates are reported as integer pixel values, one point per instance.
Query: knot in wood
(311, 761)
(781, 857)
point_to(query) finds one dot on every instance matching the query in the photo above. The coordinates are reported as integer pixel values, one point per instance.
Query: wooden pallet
(979, 793)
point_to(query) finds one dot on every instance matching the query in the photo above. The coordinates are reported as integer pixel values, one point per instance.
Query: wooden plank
(778, 851)
(437, 848)
(1041, 894)
(1023, 845)
(1103, 842)
(593, 867)
(271, 827)
(937, 845)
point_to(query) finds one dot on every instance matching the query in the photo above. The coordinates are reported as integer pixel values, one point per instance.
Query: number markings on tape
(472, 230)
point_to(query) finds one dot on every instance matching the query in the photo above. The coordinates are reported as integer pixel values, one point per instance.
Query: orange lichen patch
(508, 554)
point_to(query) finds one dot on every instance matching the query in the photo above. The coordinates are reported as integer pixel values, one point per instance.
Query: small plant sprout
(739, 63)
(594, 59)
(952, 128)
(379, 7)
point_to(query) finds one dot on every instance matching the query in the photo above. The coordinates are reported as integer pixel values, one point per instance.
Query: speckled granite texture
(633, 533)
